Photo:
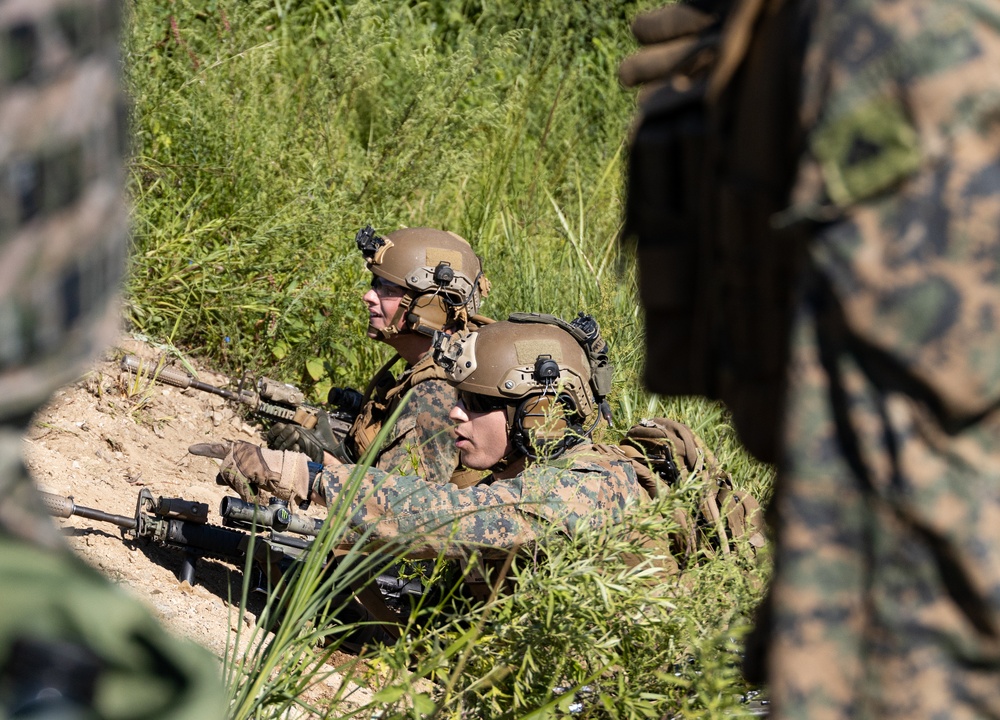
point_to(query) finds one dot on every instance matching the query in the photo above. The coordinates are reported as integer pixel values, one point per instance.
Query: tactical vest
(712, 160)
(382, 397)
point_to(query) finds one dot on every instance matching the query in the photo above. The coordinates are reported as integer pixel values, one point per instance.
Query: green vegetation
(265, 135)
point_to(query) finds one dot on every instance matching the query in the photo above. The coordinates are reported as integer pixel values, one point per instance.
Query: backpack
(662, 451)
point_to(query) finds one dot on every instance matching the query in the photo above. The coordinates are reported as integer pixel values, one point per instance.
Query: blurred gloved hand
(249, 469)
(675, 41)
(347, 400)
(295, 438)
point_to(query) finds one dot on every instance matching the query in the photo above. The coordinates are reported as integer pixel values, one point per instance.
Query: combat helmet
(443, 277)
(531, 365)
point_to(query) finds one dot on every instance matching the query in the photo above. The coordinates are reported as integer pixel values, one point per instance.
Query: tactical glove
(249, 469)
(675, 38)
(295, 438)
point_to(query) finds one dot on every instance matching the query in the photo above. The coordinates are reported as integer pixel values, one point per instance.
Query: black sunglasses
(476, 403)
(386, 288)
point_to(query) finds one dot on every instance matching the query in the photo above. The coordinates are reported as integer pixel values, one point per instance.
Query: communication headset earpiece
(444, 274)
(535, 410)
(532, 414)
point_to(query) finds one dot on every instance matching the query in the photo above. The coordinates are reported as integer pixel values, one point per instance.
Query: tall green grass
(265, 135)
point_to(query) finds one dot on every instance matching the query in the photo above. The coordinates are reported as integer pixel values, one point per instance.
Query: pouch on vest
(661, 450)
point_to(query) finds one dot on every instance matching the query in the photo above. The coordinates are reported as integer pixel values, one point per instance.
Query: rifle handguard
(168, 375)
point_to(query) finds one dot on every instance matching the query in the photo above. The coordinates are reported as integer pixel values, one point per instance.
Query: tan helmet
(528, 362)
(442, 273)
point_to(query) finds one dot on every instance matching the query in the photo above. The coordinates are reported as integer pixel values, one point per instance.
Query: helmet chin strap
(396, 326)
(517, 450)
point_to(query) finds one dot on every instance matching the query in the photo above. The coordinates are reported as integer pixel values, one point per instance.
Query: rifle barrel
(65, 507)
(178, 378)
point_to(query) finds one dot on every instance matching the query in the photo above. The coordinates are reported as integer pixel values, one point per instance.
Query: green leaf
(314, 366)
(423, 704)
(389, 694)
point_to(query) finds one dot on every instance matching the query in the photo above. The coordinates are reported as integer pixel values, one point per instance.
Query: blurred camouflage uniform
(420, 441)
(495, 515)
(886, 596)
(887, 505)
(62, 254)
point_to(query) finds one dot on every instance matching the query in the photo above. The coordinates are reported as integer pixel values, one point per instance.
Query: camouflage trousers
(886, 595)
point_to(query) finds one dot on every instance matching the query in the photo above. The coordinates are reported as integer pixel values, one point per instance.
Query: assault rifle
(281, 538)
(276, 401)
(176, 522)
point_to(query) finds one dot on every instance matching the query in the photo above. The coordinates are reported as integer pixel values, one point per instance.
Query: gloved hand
(249, 469)
(347, 400)
(284, 436)
(675, 40)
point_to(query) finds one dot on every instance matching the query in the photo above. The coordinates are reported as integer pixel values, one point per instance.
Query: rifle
(281, 538)
(176, 522)
(270, 399)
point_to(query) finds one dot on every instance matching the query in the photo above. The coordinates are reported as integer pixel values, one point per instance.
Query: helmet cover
(515, 361)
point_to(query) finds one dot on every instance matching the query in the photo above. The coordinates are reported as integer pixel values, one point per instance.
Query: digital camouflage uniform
(886, 596)
(860, 138)
(495, 515)
(62, 253)
(420, 442)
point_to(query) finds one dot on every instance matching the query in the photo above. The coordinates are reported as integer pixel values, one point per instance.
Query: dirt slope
(104, 438)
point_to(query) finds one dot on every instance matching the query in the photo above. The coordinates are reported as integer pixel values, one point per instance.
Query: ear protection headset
(432, 312)
(548, 419)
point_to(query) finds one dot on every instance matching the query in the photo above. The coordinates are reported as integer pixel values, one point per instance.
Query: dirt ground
(111, 434)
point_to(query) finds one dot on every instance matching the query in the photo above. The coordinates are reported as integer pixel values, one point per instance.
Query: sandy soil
(109, 435)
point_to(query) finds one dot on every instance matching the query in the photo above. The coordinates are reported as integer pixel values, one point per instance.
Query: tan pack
(663, 451)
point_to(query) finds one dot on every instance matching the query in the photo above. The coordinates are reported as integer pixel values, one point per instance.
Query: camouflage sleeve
(902, 169)
(443, 519)
(421, 442)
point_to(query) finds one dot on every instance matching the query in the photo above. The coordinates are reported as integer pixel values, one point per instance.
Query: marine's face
(481, 437)
(383, 301)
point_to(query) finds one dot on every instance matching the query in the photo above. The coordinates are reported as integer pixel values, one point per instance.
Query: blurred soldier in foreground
(423, 281)
(815, 190)
(71, 643)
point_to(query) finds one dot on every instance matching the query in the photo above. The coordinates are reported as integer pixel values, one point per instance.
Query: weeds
(265, 135)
